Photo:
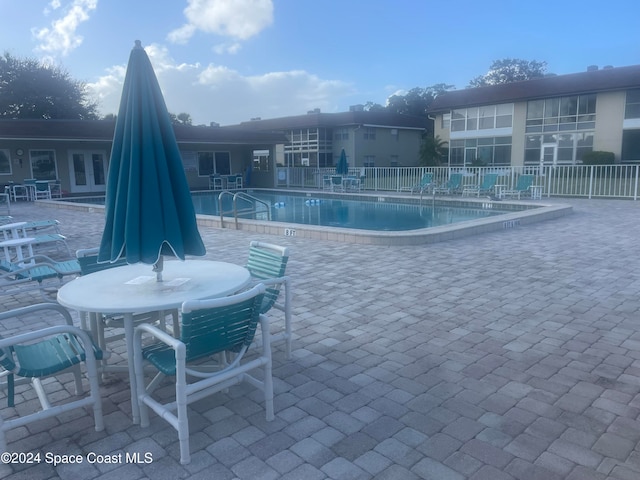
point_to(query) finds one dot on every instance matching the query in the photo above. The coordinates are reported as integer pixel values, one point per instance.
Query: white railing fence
(590, 181)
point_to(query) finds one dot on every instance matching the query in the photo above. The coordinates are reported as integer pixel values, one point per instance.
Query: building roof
(102, 130)
(591, 81)
(316, 119)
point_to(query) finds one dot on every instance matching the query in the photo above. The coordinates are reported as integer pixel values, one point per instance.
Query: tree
(417, 100)
(30, 89)
(510, 70)
(180, 119)
(433, 151)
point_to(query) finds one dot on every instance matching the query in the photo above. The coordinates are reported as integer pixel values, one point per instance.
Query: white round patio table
(134, 289)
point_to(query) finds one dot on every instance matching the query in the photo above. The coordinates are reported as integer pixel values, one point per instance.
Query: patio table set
(125, 284)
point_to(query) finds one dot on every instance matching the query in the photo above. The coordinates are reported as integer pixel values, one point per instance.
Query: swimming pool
(362, 213)
(488, 216)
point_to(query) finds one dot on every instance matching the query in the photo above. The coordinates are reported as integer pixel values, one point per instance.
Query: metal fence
(590, 181)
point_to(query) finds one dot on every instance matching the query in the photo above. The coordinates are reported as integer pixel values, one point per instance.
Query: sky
(227, 61)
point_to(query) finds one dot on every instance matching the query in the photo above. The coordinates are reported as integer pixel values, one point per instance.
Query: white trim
(490, 132)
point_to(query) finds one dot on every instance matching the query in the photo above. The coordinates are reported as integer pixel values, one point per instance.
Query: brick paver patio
(510, 355)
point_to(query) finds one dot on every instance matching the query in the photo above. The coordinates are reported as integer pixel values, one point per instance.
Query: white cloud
(216, 93)
(236, 19)
(61, 38)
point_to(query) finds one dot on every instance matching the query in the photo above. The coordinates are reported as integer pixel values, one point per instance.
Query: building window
(369, 160)
(394, 161)
(205, 163)
(577, 112)
(446, 121)
(631, 146)
(214, 162)
(5, 162)
(341, 134)
(570, 147)
(369, 133)
(43, 164)
(632, 105)
(481, 118)
(489, 151)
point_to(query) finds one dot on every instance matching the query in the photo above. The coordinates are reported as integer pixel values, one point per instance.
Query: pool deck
(512, 354)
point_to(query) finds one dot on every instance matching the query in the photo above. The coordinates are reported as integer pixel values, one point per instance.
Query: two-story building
(369, 138)
(552, 120)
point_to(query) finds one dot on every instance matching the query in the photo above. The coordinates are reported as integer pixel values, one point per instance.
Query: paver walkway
(510, 355)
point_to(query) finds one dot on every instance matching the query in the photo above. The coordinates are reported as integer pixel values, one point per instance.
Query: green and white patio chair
(523, 185)
(267, 264)
(488, 183)
(36, 269)
(209, 327)
(425, 183)
(453, 185)
(32, 356)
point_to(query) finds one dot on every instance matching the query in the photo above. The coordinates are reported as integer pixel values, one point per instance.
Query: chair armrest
(36, 308)
(155, 332)
(48, 332)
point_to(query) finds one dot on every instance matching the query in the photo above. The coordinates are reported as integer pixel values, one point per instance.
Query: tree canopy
(415, 102)
(510, 70)
(30, 89)
(181, 119)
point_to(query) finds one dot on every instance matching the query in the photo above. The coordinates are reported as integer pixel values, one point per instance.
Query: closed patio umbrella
(149, 210)
(343, 167)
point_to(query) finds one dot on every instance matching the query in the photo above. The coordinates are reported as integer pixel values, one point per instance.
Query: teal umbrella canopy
(343, 167)
(149, 210)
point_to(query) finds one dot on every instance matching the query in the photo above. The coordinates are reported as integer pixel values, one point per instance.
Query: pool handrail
(245, 196)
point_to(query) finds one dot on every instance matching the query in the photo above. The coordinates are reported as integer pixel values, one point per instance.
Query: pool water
(328, 211)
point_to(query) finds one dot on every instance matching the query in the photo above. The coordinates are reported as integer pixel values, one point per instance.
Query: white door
(88, 172)
(549, 155)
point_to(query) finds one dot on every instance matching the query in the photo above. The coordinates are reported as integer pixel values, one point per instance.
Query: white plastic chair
(43, 353)
(209, 327)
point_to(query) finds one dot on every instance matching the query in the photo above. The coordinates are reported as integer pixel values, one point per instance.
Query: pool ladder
(235, 211)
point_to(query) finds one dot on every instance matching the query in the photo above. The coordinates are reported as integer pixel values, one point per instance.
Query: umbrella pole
(157, 267)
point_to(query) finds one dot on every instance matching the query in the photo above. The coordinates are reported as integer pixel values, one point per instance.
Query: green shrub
(598, 158)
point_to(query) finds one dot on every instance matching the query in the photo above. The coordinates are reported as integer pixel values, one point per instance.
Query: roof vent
(255, 119)
(592, 68)
(315, 110)
(607, 67)
(214, 124)
(356, 108)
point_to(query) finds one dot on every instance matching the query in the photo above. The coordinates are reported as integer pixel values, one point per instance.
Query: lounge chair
(215, 182)
(426, 182)
(37, 269)
(488, 183)
(453, 185)
(522, 185)
(46, 232)
(267, 264)
(42, 353)
(214, 327)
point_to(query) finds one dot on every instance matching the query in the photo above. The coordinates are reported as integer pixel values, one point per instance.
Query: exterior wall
(21, 165)
(241, 157)
(610, 109)
(609, 122)
(405, 145)
(518, 133)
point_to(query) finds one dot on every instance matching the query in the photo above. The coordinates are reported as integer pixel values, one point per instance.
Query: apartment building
(553, 120)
